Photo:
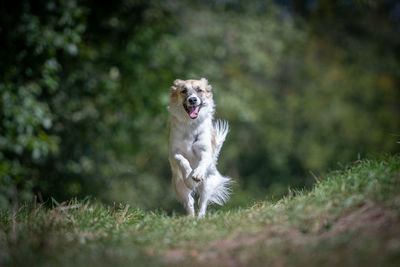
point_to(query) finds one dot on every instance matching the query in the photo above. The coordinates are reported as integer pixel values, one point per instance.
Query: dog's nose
(192, 100)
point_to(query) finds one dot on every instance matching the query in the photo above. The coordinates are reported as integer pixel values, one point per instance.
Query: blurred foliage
(85, 84)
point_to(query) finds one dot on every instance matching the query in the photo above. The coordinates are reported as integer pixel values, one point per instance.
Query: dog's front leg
(203, 150)
(183, 164)
(184, 187)
(186, 170)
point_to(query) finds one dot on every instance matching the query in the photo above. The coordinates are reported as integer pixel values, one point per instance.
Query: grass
(351, 217)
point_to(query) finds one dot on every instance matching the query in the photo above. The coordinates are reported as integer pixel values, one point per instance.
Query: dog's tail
(221, 130)
(219, 188)
(219, 185)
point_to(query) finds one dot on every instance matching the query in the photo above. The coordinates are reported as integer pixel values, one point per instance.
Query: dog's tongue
(194, 112)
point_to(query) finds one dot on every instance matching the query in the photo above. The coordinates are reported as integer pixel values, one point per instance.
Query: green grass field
(351, 218)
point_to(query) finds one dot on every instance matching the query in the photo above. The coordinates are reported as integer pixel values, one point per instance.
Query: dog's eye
(184, 91)
(198, 89)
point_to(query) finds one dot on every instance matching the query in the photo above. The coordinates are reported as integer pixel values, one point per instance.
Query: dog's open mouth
(193, 111)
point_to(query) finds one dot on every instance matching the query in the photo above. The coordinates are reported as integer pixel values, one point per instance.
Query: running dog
(195, 141)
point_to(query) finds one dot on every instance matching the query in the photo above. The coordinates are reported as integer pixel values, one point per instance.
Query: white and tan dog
(195, 141)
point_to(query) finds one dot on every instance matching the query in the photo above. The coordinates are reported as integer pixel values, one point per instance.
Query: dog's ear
(206, 84)
(177, 83)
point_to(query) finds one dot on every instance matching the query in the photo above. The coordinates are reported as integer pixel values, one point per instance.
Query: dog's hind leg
(185, 195)
(203, 202)
(203, 199)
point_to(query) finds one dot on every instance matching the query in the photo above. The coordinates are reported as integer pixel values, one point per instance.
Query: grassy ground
(351, 218)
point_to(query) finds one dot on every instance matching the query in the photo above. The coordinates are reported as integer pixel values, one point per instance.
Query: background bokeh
(306, 86)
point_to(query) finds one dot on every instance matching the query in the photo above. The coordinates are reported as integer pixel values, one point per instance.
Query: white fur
(192, 156)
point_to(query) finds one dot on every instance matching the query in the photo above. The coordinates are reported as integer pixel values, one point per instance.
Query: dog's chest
(189, 139)
(185, 140)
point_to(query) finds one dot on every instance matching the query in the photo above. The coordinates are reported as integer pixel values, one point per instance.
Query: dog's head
(193, 97)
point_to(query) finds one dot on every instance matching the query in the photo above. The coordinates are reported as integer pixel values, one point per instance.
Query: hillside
(351, 217)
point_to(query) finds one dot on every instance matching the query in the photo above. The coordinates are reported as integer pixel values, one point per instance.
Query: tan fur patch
(174, 95)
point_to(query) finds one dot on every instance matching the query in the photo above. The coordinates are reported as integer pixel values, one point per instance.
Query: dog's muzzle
(192, 106)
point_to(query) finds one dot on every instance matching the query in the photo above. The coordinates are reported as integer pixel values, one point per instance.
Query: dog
(195, 141)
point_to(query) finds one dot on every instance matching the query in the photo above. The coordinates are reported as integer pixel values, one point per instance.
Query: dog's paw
(198, 174)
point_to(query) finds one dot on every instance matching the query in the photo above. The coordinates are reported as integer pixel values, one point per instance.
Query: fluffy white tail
(219, 185)
(219, 189)
(221, 130)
